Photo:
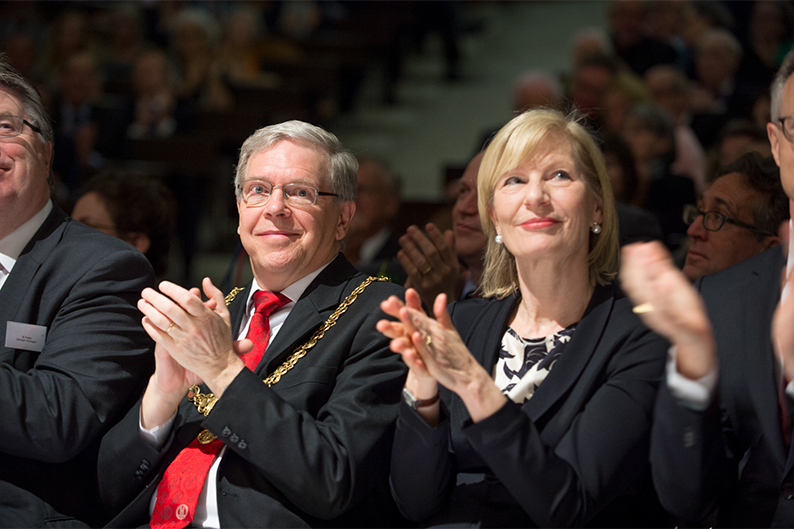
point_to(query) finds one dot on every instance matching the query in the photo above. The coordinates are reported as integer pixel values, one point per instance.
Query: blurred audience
(123, 45)
(155, 102)
(669, 89)
(635, 48)
(69, 35)
(634, 223)
(536, 88)
(650, 134)
(238, 54)
(624, 92)
(736, 138)
(75, 120)
(587, 43)
(589, 83)
(193, 39)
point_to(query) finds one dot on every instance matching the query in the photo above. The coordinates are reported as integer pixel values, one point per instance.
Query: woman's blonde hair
(519, 140)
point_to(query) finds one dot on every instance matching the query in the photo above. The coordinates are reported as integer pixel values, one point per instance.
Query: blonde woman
(536, 410)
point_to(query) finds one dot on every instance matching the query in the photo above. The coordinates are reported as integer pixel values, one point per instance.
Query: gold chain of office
(204, 402)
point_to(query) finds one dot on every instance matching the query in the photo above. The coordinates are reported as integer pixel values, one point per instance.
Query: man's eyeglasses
(787, 126)
(257, 193)
(714, 221)
(11, 126)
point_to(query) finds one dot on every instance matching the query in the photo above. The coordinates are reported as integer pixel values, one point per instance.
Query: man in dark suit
(311, 445)
(72, 350)
(722, 431)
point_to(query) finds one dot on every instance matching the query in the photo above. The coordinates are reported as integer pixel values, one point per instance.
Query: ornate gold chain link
(204, 402)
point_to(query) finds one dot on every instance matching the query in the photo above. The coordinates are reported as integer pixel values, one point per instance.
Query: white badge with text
(25, 336)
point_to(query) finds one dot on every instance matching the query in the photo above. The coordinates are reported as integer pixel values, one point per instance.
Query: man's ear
(772, 131)
(346, 213)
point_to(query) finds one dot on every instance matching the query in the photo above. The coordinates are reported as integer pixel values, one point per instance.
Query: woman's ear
(492, 216)
(598, 215)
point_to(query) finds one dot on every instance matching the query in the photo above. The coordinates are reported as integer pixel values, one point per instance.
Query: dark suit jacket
(83, 286)
(310, 450)
(731, 455)
(577, 448)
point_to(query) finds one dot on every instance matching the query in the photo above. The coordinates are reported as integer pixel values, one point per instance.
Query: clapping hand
(431, 262)
(669, 305)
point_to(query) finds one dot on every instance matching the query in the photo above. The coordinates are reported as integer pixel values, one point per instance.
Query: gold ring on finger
(643, 308)
(168, 330)
(429, 341)
(427, 270)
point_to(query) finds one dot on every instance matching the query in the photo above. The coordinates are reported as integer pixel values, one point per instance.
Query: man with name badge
(73, 355)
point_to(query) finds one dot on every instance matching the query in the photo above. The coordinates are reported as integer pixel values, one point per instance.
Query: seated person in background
(309, 446)
(669, 89)
(739, 216)
(451, 262)
(539, 412)
(737, 137)
(635, 224)
(73, 354)
(370, 245)
(155, 102)
(650, 134)
(137, 209)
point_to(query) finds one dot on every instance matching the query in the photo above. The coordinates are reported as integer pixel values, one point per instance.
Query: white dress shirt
(207, 508)
(11, 245)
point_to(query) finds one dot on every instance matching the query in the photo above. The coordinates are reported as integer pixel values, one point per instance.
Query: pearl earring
(596, 228)
(498, 239)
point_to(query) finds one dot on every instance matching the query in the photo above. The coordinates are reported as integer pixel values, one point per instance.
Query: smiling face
(543, 208)
(288, 242)
(712, 251)
(24, 168)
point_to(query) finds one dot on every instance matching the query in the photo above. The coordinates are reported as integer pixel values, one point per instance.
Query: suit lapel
(30, 260)
(577, 354)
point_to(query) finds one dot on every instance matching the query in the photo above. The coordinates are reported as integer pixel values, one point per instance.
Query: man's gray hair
(342, 167)
(14, 82)
(776, 91)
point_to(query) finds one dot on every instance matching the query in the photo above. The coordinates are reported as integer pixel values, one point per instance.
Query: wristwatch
(415, 403)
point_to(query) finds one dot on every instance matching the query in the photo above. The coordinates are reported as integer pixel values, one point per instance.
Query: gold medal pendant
(206, 437)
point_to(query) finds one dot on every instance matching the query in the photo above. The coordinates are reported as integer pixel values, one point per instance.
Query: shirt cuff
(790, 389)
(694, 394)
(157, 435)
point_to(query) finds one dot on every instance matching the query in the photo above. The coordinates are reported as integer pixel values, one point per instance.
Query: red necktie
(178, 492)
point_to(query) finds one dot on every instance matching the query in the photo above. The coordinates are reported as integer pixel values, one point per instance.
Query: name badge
(25, 336)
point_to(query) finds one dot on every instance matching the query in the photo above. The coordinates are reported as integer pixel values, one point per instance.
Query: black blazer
(312, 450)
(577, 448)
(82, 286)
(732, 455)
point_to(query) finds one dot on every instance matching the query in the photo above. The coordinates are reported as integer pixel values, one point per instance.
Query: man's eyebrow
(726, 204)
